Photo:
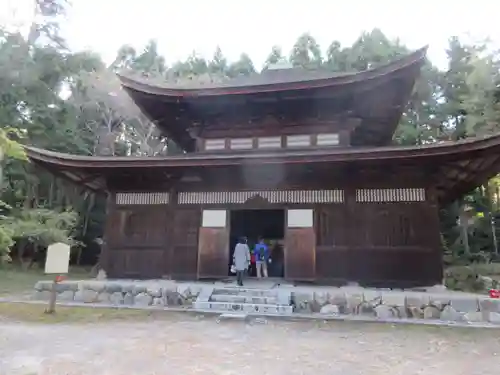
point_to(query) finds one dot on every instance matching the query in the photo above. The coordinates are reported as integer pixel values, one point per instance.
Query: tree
(274, 57)
(306, 52)
(242, 67)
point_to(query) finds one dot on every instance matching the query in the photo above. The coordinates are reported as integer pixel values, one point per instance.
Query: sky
(184, 26)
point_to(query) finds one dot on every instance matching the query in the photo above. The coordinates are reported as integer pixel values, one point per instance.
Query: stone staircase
(244, 300)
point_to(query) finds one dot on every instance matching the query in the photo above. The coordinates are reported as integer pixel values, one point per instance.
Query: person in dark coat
(241, 259)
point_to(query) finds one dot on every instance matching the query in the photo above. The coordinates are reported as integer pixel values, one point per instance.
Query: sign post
(57, 264)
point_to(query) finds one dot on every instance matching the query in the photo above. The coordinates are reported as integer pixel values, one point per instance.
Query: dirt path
(201, 346)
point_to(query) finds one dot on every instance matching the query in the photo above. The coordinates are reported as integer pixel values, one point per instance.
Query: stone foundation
(346, 301)
(121, 293)
(450, 307)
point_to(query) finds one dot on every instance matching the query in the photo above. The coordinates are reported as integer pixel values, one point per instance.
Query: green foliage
(463, 278)
(42, 227)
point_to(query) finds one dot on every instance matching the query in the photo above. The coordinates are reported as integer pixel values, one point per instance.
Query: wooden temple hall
(303, 159)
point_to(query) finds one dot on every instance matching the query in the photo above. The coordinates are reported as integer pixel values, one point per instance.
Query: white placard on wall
(300, 218)
(57, 261)
(214, 219)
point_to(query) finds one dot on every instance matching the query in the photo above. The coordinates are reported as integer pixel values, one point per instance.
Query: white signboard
(300, 218)
(214, 219)
(57, 261)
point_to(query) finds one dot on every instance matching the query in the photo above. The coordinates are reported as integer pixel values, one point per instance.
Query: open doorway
(252, 224)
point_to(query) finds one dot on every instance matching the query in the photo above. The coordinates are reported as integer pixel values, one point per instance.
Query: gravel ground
(201, 346)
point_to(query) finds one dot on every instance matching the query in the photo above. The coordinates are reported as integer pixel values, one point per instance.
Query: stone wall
(120, 293)
(394, 305)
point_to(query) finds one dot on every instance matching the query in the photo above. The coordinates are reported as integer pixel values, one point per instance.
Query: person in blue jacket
(261, 252)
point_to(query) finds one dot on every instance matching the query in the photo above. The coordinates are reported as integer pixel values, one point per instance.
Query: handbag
(232, 269)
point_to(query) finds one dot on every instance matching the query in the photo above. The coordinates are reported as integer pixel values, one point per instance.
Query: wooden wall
(362, 238)
(379, 244)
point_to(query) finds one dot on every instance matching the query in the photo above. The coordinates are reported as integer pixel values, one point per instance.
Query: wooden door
(213, 245)
(300, 246)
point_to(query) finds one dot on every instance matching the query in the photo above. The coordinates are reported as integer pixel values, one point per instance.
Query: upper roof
(377, 97)
(268, 80)
(454, 167)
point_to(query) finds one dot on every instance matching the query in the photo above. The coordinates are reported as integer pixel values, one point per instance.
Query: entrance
(252, 224)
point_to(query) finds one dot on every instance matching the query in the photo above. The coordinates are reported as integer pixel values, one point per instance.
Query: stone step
(241, 291)
(254, 308)
(230, 298)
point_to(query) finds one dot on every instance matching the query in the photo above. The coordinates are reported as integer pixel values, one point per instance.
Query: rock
(439, 304)
(385, 312)
(394, 299)
(184, 290)
(301, 301)
(330, 310)
(96, 286)
(489, 305)
(127, 288)
(138, 289)
(86, 296)
(372, 295)
(488, 282)
(365, 308)
(116, 298)
(314, 306)
(495, 318)
(128, 299)
(465, 304)
(113, 288)
(451, 315)
(321, 298)
(401, 311)
(172, 298)
(40, 286)
(154, 292)
(354, 300)
(476, 317)
(67, 295)
(101, 275)
(415, 312)
(431, 312)
(417, 300)
(103, 297)
(158, 301)
(338, 299)
(143, 299)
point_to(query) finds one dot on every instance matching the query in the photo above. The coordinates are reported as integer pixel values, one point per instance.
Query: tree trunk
(464, 224)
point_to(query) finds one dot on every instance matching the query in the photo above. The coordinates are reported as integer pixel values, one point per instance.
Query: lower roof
(456, 167)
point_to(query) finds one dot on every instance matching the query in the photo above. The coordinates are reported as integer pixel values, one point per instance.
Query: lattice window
(142, 198)
(390, 195)
(272, 196)
(241, 143)
(327, 139)
(298, 140)
(215, 144)
(269, 142)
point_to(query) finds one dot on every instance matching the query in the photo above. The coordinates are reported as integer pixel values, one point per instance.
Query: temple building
(303, 159)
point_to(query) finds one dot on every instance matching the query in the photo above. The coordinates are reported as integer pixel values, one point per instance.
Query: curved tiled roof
(271, 80)
(458, 166)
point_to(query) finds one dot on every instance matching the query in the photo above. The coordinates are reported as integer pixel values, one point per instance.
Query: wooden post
(56, 263)
(52, 300)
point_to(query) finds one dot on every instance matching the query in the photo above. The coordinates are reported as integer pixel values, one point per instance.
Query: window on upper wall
(269, 142)
(298, 140)
(215, 144)
(327, 139)
(241, 143)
